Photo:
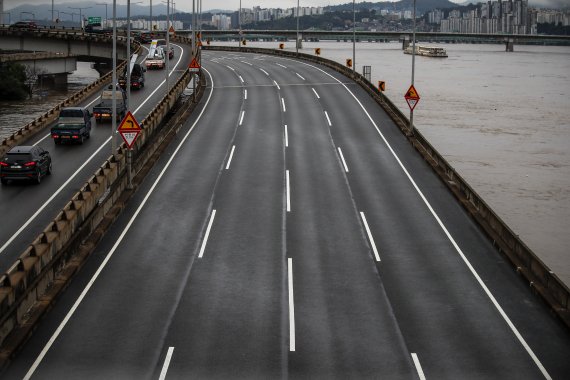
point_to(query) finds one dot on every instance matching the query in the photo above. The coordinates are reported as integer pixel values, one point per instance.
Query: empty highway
(291, 231)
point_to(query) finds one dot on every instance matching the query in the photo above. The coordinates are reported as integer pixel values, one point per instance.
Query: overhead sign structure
(94, 20)
(194, 66)
(129, 129)
(412, 97)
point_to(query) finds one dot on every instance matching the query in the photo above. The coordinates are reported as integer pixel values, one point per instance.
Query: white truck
(156, 57)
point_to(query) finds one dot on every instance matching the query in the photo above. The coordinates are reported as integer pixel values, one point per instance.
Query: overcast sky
(186, 5)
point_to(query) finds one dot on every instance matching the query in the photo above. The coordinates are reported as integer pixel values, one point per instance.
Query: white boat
(428, 51)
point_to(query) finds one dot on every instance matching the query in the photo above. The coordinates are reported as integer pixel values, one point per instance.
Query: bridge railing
(50, 261)
(541, 279)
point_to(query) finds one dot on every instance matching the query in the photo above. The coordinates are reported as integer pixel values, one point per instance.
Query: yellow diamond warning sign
(412, 97)
(412, 93)
(129, 129)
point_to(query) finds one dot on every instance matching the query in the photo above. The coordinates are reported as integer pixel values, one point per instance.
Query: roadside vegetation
(13, 82)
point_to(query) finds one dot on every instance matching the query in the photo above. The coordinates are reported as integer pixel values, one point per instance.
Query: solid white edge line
(315, 91)
(60, 328)
(448, 234)
(207, 235)
(279, 88)
(265, 72)
(299, 75)
(288, 191)
(46, 203)
(166, 363)
(418, 366)
(370, 238)
(231, 156)
(328, 119)
(241, 117)
(342, 159)
(286, 137)
(283, 102)
(291, 305)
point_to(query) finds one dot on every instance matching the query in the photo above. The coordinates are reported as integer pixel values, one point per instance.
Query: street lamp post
(70, 13)
(80, 14)
(353, 35)
(239, 23)
(105, 4)
(297, 38)
(413, 64)
(114, 82)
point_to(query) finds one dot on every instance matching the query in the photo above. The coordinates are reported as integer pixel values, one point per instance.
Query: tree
(12, 81)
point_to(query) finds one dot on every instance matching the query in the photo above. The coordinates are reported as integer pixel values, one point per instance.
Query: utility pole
(114, 82)
(413, 64)
(297, 39)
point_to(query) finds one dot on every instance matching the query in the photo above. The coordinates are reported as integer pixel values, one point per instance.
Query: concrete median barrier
(50, 261)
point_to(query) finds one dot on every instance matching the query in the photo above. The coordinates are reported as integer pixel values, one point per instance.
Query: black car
(24, 25)
(25, 162)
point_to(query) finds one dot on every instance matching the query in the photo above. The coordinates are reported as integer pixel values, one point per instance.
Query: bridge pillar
(53, 80)
(510, 44)
(405, 42)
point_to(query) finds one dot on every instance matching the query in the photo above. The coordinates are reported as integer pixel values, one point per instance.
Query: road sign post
(129, 130)
(412, 98)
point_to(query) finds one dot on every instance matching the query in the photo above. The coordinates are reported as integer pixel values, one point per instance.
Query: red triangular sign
(194, 64)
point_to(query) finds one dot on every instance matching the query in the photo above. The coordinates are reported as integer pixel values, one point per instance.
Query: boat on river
(427, 51)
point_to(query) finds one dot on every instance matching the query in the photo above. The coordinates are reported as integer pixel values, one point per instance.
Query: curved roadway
(292, 232)
(28, 208)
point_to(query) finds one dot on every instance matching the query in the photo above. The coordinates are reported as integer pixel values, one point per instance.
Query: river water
(501, 119)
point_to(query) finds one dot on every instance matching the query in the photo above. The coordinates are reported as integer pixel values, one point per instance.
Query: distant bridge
(384, 36)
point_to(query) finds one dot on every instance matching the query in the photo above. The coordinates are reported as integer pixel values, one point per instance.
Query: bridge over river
(283, 224)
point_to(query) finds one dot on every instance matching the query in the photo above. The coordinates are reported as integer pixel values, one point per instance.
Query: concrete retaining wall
(539, 276)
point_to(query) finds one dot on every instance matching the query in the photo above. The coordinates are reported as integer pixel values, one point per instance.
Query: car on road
(24, 25)
(162, 43)
(24, 162)
(73, 125)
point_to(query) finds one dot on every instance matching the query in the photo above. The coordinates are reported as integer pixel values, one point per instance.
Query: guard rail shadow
(539, 276)
(47, 265)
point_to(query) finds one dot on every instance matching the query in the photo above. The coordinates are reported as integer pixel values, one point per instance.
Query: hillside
(421, 6)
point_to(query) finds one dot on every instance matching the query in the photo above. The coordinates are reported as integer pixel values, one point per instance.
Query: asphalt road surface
(27, 208)
(290, 231)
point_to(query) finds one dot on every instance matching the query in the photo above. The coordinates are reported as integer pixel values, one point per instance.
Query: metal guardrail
(526, 262)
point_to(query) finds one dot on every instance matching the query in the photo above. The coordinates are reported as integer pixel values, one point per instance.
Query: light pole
(353, 36)
(114, 82)
(166, 53)
(150, 16)
(239, 25)
(80, 14)
(297, 38)
(69, 13)
(413, 64)
(30, 13)
(105, 4)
